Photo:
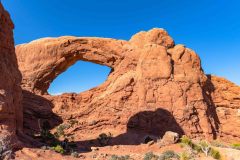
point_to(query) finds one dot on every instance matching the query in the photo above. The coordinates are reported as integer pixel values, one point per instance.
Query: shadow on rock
(141, 128)
(211, 110)
(37, 115)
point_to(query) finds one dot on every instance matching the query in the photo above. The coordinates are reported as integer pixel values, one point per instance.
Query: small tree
(205, 147)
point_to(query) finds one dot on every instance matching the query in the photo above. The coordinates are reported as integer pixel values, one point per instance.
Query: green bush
(197, 148)
(187, 141)
(215, 154)
(236, 146)
(168, 155)
(150, 156)
(115, 157)
(204, 147)
(58, 149)
(185, 156)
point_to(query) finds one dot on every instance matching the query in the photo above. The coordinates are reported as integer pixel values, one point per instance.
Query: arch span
(52, 56)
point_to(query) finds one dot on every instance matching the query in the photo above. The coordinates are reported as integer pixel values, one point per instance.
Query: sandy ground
(136, 152)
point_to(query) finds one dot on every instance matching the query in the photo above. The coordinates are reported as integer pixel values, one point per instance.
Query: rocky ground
(138, 152)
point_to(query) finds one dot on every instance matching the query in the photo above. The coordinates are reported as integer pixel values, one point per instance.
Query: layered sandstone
(154, 86)
(225, 98)
(10, 80)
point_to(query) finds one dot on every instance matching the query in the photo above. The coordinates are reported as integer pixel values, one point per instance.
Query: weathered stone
(10, 79)
(154, 86)
(169, 138)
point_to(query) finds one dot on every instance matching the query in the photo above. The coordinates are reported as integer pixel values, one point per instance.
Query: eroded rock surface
(10, 79)
(154, 86)
(225, 97)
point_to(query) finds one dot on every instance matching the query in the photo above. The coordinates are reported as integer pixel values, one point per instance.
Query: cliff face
(225, 97)
(154, 86)
(10, 80)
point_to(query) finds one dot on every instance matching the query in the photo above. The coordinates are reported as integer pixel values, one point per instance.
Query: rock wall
(10, 80)
(225, 97)
(154, 85)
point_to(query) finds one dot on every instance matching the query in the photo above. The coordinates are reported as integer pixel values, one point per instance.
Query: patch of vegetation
(150, 156)
(60, 130)
(202, 147)
(104, 138)
(205, 147)
(115, 157)
(236, 146)
(167, 155)
(59, 149)
(53, 143)
(217, 143)
(215, 154)
(187, 141)
(72, 122)
(185, 156)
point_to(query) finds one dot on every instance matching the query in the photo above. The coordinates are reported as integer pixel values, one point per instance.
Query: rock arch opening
(79, 77)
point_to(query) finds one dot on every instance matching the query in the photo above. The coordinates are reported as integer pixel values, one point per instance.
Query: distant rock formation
(149, 72)
(10, 80)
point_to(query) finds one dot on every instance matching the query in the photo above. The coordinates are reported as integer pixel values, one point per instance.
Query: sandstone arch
(148, 72)
(57, 54)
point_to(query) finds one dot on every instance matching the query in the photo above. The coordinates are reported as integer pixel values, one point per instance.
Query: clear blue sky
(210, 27)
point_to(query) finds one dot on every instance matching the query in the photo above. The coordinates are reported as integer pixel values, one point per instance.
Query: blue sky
(210, 27)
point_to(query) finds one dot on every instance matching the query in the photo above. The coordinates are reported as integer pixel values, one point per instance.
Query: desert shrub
(150, 156)
(215, 154)
(216, 143)
(59, 149)
(168, 155)
(236, 146)
(187, 141)
(204, 147)
(72, 122)
(115, 157)
(60, 130)
(185, 156)
(104, 139)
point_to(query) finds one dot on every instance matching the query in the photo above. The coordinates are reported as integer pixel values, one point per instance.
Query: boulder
(169, 138)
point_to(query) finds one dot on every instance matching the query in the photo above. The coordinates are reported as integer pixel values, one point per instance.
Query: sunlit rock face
(10, 79)
(154, 86)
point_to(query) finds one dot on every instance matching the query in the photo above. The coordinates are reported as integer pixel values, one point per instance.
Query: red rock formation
(154, 85)
(10, 79)
(225, 97)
